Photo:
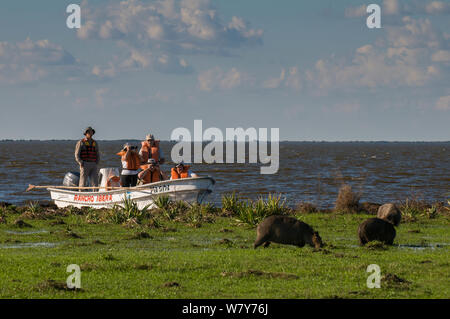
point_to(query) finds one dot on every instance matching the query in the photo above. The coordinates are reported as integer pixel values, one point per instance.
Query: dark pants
(128, 180)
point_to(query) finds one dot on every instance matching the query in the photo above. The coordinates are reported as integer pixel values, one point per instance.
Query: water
(308, 171)
(28, 245)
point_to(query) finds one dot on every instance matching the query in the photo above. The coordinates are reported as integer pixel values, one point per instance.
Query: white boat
(191, 190)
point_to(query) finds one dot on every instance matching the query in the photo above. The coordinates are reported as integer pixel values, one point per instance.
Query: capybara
(390, 212)
(376, 229)
(286, 230)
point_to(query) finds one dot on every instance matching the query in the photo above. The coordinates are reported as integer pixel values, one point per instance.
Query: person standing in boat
(181, 171)
(130, 165)
(150, 149)
(87, 156)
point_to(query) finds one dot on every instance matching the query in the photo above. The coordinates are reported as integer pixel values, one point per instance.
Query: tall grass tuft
(163, 202)
(274, 205)
(347, 200)
(231, 203)
(410, 210)
(431, 212)
(127, 213)
(253, 212)
(170, 209)
(34, 208)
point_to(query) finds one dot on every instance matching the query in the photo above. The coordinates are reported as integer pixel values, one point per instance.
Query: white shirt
(126, 171)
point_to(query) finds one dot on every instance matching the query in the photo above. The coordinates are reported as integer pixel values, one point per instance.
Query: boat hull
(192, 190)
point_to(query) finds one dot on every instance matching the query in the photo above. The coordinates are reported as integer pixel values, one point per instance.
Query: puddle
(29, 245)
(31, 232)
(422, 247)
(412, 246)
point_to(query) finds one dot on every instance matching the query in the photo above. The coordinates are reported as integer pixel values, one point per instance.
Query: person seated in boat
(151, 173)
(130, 165)
(181, 171)
(150, 149)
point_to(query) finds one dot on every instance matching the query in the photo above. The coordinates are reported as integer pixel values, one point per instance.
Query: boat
(191, 190)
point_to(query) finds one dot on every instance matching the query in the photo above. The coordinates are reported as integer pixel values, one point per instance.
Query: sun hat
(180, 164)
(149, 137)
(89, 129)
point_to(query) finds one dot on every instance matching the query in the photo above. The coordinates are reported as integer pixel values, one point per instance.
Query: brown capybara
(390, 213)
(376, 229)
(286, 230)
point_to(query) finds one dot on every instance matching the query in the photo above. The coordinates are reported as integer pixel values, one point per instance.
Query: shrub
(195, 215)
(410, 210)
(431, 212)
(128, 213)
(163, 202)
(254, 212)
(230, 203)
(347, 201)
(33, 209)
(306, 208)
(274, 205)
(130, 210)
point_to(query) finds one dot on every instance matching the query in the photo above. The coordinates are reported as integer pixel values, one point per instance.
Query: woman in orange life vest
(130, 165)
(150, 149)
(151, 173)
(181, 171)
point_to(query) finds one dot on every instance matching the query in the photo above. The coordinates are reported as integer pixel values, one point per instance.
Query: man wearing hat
(151, 172)
(150, 149)
(87, 156)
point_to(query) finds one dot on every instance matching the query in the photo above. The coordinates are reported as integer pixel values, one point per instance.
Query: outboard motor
(71, 179)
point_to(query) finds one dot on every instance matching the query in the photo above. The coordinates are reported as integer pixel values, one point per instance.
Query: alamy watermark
(213, 152)
(74, 280)
(73, 21)
(374, 19)
(374, 279)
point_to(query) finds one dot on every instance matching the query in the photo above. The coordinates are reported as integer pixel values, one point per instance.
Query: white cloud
(157, 33)
(290, 80)
(408, 56)
(274, 83)
(443, 103)
(216, 78)
(441, 56)
(293, 79)
(404, 7)
(192, 26)
(30, 61)
(437, 7)
(391, 6)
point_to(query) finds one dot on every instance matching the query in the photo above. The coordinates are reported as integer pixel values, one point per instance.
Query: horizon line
(268, 141)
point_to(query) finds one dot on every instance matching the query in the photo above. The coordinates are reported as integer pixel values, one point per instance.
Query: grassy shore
(208, 253)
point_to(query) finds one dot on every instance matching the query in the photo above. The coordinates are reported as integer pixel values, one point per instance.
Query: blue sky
(311, 68)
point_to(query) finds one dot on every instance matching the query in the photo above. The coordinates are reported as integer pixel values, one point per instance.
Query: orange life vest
(151, 177)
(147, 151)
(88, 150)
(133, 160)
(184, 173)
(113, 181)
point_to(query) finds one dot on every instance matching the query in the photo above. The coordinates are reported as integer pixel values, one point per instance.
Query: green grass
(214, 258)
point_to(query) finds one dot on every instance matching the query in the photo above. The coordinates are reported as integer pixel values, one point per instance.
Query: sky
(313, 69)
